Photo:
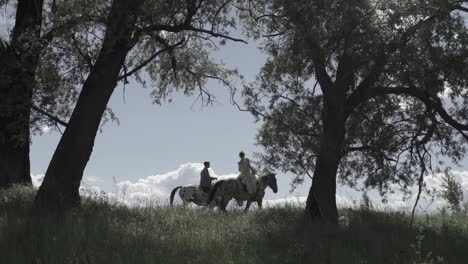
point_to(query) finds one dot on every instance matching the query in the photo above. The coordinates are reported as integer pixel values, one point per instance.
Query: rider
(247, 174)
(205, 178)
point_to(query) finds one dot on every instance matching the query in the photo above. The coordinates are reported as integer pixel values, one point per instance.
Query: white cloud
(157, 188)
(37, 179)
(93, 179)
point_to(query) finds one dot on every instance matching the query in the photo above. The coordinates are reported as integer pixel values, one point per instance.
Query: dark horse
(225, 190)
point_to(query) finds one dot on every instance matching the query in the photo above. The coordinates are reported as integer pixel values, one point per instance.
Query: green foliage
(452, 191)
(173, 41)
(71, 38)
(390, 138)
(185, 63)
(3, 2)
(171, 52)
(99, 232)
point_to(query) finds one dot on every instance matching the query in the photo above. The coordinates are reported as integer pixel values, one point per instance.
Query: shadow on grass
(366, 237)
(102, 233)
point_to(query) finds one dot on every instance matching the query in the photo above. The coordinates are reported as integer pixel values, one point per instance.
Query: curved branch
(184, 27)
(82, 53)
(151, 58)
(360, 95)
(213, 21)
(461, 8)
(429, 101)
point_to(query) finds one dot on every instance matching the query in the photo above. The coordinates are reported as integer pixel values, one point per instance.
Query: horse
(190, 194)
(225, 190)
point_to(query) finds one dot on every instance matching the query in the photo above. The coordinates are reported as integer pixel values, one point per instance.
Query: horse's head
(271, 181)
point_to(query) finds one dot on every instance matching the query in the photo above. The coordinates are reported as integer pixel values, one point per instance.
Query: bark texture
(18, 63)
(63, 177)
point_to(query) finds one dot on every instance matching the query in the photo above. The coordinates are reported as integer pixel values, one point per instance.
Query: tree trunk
(321, 201)
(62, 180)
(18, 63)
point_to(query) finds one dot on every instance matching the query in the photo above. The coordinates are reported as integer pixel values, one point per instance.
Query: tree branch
(85, 56)
(373, 149)
(151, 58)
(183, 27)
(213, 22)
(461, 8)
(214, 34)
(319, 62)
(422, 162)
(65, 25)
(186, 25)
(50, 116)
(429, 101)
(345, 72)
(360, 94)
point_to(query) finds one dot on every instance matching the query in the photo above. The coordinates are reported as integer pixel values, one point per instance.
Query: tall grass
(100, 232)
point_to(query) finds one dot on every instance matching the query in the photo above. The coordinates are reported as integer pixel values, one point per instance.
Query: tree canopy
(390, 76)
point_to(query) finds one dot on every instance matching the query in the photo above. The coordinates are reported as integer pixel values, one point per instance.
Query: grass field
(102, 233)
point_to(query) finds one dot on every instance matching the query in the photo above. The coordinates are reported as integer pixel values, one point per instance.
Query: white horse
(190, 194)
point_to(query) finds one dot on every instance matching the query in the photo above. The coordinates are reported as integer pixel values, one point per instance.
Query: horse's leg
(213, 204)
(223, 204)
(197, 198)
(217, 201)
(247, 206)
(259, 202)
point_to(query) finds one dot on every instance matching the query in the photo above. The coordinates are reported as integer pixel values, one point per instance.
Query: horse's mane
(265, 176)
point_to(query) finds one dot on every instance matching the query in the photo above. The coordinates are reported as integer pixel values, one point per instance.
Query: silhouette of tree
(360, 89)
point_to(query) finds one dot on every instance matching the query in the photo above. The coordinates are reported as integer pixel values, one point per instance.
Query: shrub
(452, 191)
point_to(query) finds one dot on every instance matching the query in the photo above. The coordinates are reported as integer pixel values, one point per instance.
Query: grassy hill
(103, 233)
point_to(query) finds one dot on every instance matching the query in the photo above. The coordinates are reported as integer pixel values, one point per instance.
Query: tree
(18, 63)
(165, 40)
(84, 122)
(361, 89)
(39, 73)
(451, 191)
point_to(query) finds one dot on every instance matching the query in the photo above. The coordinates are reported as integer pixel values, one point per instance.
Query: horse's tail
(173, 193)
(213, 191)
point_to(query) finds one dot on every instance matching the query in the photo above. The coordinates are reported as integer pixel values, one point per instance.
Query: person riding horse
(205, 178)
(193, 193)
(247, 174)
